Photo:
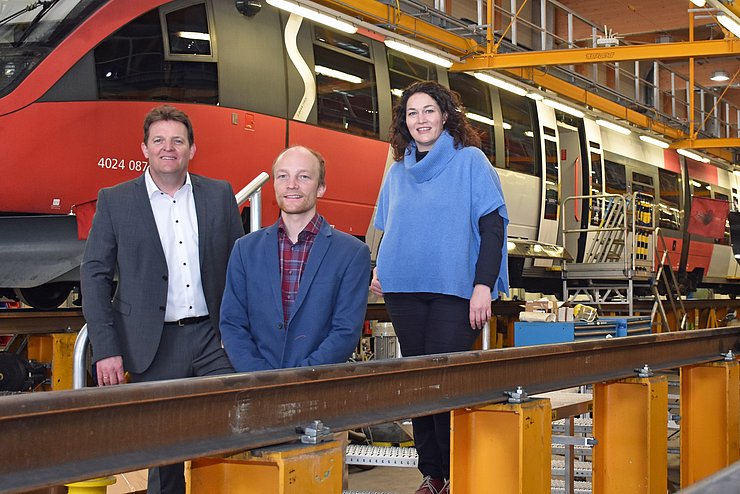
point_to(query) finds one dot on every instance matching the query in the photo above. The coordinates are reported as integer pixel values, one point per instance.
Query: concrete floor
(385, 480)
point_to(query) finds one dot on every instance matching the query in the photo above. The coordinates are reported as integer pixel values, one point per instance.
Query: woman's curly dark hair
(449, 102)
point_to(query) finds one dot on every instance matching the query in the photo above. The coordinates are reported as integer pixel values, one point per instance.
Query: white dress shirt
(177, 224)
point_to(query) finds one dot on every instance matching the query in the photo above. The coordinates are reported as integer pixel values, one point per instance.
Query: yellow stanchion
(92, 486)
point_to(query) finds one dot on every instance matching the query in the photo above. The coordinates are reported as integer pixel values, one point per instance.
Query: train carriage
(78, 76)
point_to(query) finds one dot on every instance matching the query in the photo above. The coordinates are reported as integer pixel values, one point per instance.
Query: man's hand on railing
(110, 371)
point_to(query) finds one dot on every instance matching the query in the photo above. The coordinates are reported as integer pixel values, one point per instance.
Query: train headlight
(9, 69)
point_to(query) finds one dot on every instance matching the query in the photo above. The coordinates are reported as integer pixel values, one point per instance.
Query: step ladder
(672, 290)
(619, 253)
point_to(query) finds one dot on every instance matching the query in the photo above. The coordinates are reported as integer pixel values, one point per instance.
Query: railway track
(100, 431)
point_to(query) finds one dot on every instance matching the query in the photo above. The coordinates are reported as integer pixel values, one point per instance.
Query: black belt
(187, 320)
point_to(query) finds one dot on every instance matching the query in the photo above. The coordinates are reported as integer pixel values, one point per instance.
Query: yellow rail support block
(630, 425)
(92, 486)
(284, 469)
(505, 448)
(710, 422)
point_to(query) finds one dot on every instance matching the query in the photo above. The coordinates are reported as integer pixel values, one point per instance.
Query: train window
(597, 185)
(24, 43)
(346, 92)
(405, 70)
(518, 112)
(552, 189)
(616, 178)
(476, 99)
(187, 32)
(669, 206)
(700, 189)
(130, 65)
(643, 183)
(342, 42)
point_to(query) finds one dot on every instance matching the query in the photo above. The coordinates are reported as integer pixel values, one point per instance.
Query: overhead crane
(483, 56)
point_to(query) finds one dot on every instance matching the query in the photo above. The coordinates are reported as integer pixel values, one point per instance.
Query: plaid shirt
(293, 259)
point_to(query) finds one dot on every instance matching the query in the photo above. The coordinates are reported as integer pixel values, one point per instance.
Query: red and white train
(78, 76)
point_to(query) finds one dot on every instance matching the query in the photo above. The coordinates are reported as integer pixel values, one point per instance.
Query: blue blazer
(329, 309)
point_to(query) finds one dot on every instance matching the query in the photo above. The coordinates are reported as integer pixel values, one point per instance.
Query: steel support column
(506, 445)
(630, 425)
(710, 418)
(287, 469)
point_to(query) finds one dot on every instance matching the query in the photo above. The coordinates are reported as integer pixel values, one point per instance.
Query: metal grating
(558, 487)
(387, 456)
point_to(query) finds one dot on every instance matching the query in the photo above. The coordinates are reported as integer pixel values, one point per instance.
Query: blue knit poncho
(429, 212)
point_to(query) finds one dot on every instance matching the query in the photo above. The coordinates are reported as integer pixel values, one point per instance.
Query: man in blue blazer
(154, 270)
(296, 292)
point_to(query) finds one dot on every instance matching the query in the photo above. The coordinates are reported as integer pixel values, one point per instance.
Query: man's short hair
(316, 154)
(167, 112)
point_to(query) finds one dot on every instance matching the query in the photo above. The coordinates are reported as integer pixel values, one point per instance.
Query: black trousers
(184, 351)
(429, 323)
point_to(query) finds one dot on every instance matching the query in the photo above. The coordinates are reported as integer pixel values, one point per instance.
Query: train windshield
(29, 31)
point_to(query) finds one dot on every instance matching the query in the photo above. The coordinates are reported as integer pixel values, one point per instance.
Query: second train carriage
(78, 79)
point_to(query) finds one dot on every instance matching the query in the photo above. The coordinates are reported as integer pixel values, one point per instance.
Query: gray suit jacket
(124, 243)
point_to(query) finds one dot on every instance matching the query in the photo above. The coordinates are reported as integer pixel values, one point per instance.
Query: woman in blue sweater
(443, 254)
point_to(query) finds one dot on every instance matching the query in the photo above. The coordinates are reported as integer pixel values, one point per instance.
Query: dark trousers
(184, 351)
(428, 323)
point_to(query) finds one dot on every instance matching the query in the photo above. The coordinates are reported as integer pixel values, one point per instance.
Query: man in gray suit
(166, 236)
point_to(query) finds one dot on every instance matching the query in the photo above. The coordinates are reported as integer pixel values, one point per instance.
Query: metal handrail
(251, 192)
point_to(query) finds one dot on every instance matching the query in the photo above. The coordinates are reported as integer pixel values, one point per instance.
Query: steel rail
(51, 438)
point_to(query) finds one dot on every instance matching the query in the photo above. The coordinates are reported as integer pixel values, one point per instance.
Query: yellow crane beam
(727, 142)
(393, 19)
(658, 51)
(580, 95)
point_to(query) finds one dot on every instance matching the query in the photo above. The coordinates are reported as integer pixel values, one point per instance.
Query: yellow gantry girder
(392, 18)
(729, 142)
(658, 51)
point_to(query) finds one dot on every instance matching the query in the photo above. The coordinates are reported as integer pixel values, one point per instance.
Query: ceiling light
(337, 74)
(194, 35)
(720, 76)
(699, 3)
(564, 108)
(479, 118)
(691, 155)
(397, 92)
(417, 52)
(654, 142)
(314, 15)
(612, 126)
(529, 133)
(695, 183)
(493, 81)
(729, 23)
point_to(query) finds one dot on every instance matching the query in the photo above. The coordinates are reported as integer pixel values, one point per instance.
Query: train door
(581, 172)
(550, 187)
